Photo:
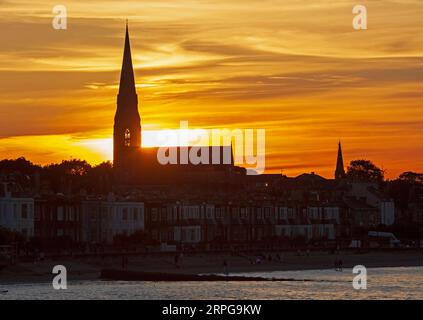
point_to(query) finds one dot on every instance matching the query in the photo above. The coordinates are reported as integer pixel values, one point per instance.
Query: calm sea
(383, 283)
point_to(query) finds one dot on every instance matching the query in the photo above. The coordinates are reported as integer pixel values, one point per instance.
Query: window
(163, 214)
(185, 214)
(24, 212)
(94, 214)
(243, 214)
(125, 214)
(37, 214)
(218, 213)
(127, 138)
(259, 213)
(267, 212)
(209, 213)
(154, 214)
(60, 214)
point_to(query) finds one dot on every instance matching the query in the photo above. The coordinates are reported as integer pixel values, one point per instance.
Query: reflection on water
(383, 283)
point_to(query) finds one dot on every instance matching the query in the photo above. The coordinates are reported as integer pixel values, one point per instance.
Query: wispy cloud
(293, 67)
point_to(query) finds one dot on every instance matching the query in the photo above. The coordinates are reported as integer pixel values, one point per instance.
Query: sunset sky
(296, 68)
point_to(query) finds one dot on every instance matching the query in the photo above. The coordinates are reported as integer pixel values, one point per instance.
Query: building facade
(17, 214)
(57, 216)
(102, 219)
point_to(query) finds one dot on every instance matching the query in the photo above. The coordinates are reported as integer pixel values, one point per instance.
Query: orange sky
(296, 68)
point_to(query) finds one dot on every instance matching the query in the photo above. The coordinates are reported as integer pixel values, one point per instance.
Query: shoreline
(90, 269)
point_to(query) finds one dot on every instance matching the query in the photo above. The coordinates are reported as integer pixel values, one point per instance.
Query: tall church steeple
(340, 171)
(127, 79)
(127, 127)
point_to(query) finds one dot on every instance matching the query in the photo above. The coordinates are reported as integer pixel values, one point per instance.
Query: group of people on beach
(338, 265)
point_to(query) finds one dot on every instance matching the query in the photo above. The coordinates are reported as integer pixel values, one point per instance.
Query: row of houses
(51, 217)
(212, 222)
(229, 222)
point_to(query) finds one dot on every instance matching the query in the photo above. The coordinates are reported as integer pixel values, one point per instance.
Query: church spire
(339, 172)
(127, 126)
(127, 79)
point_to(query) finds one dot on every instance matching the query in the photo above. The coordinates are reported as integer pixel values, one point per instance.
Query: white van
(384, 237)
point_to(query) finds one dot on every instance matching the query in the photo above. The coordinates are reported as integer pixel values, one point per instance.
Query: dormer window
(127, 138)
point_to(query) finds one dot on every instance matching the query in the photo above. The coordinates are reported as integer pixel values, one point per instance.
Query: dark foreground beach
(89, 268)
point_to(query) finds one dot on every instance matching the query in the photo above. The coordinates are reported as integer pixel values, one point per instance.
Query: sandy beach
(89, 268)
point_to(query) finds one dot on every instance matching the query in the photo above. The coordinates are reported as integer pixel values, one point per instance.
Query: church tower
(127, 126)
(339, 172)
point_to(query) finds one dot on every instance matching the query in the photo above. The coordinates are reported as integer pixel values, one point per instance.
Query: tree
(411, 177)
(401, 189)
(19, 174)
(100, 178)
(364, 170)
(68, 176)
(74, 167)
(20, 165)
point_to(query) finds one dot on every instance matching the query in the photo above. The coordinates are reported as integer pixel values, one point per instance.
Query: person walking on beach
(225, 267)
(180, 256)
(340, 265)
(176, 259)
